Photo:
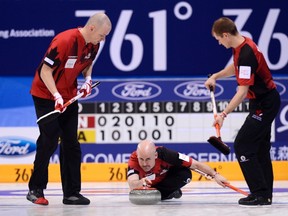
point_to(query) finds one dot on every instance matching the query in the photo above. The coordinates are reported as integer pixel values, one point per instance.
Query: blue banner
(118, 114)
(149, 38)
(152, 67)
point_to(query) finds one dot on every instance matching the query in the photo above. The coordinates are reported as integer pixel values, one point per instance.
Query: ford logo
(14, 146)
(196, 90)
(136, 90)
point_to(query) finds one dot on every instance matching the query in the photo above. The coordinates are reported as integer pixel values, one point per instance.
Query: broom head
(218, 144)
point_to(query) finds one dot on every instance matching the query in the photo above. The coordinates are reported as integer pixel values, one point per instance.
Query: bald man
(69, 54)
(164, 169)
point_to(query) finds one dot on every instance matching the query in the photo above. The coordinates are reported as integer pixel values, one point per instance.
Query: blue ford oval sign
(14, 146)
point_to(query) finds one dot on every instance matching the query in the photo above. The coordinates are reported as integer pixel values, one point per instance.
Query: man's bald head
(99, 19)
(146, 154)
(97, 28)
(146, 147)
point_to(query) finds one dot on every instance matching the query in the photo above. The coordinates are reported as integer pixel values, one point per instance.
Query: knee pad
(186, 175)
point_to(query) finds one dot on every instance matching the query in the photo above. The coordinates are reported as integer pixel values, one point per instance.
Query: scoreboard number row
(130, 121)
(158, 107)
(131, 136)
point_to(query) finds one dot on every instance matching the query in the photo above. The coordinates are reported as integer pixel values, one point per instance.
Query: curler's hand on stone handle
(86, 88)
(146, 182)
(59, 102)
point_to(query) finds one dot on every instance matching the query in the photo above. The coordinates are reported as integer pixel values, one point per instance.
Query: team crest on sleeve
(244, 72)
(52, 58)
(130, 172)
(49, 61)
(183, 157)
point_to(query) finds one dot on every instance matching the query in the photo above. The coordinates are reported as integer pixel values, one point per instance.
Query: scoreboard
(184, 118)
(176, 113)
(168, 122)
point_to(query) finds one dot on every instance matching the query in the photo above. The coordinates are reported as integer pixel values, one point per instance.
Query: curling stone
(144, 196)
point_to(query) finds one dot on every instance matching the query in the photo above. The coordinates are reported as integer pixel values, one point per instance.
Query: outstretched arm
(196, 165)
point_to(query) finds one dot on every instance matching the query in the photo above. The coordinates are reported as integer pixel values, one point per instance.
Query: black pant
(252, 144)
(176, 178)
(64, 127)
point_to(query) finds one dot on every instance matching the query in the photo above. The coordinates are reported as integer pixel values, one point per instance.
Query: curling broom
(226, 184)
(55, 113)
(213, 140)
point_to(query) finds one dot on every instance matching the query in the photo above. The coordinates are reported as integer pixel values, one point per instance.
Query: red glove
(86, 88)
(59, 102)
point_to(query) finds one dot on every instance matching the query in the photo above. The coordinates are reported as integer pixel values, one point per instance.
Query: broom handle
(72, 100)
(217, 126)
(237, 189)
(226, 184)
(213, 101)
